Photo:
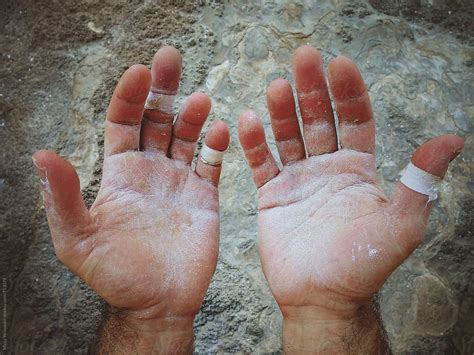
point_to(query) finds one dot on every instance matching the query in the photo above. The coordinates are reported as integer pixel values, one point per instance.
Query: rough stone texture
(59, 63)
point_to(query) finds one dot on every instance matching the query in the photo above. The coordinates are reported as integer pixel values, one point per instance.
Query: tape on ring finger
(211, 156)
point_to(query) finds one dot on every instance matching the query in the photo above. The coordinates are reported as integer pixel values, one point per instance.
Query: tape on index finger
(421, 181)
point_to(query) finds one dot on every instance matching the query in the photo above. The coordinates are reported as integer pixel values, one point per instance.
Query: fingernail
(41, 171)
(455, 154)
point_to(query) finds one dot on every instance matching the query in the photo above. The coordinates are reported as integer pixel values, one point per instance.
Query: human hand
(328, 235)
(149, 243)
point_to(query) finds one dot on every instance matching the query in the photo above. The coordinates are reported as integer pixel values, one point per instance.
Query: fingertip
(345, 78)
(457, 144)
(278, 86)
(280, 100)
(251, 132)
(247, 119)
(277, 90)
(306, 55)
(41, 156)
(340, 64)
(166, 70)
(218, 136)
(142, 73)
(126, 104)
(308, 69)
(196, 108)
(167, 53)
(203, 98)
(245, 116)
(435, 155)
(54, 165)
(134, 84)
(59, 180)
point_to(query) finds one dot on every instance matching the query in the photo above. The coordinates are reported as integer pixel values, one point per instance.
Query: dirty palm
(328, 235)
(149, 242)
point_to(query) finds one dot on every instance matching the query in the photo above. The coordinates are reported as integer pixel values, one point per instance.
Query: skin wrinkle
(198, 125)
(291, 149)
(336, 177)
(318, 166)
(184, 150)
(316, 197)
(344, 100)
(312, 213)
(176, 191)
(256, 151)
(285, 130)
(155, 124)
(129, 137)
(256, 171)
(125, 124)
(157, 116)
(321, 93)
(289, 140)
(185, 140)
(130, 96)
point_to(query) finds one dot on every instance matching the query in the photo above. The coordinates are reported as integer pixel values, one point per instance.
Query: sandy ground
(59, 63)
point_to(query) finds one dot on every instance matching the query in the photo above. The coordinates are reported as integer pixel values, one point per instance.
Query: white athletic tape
(421, 181)
(162, 102)
(211, 156)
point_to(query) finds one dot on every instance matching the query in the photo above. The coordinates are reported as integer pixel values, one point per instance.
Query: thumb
(68, 217)
(406, 204)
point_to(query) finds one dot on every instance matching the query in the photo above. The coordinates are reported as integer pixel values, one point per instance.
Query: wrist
(354, 328)
(126, 332)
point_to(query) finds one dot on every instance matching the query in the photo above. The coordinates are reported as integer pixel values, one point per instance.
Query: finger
(258, 155)
(124, 115)
(157, 122)
(217, 138)
(352, 103)
(188, 126)
(68, 218)
(281, 105)
(319, 130)
(432, 157)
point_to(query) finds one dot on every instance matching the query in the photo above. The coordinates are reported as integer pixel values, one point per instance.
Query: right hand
(328, 235)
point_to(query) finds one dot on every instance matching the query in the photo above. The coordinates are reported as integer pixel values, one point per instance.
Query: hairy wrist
(309, 329)
(124, 333)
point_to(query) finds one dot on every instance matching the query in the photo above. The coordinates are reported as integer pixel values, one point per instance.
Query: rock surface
(60, 62)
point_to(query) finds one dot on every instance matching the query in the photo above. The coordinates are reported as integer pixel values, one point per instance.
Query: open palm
(328, 235)
(324, 226)
(157, 234)
(149, 243)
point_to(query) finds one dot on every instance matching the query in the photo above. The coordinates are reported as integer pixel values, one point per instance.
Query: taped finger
(210, 159)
